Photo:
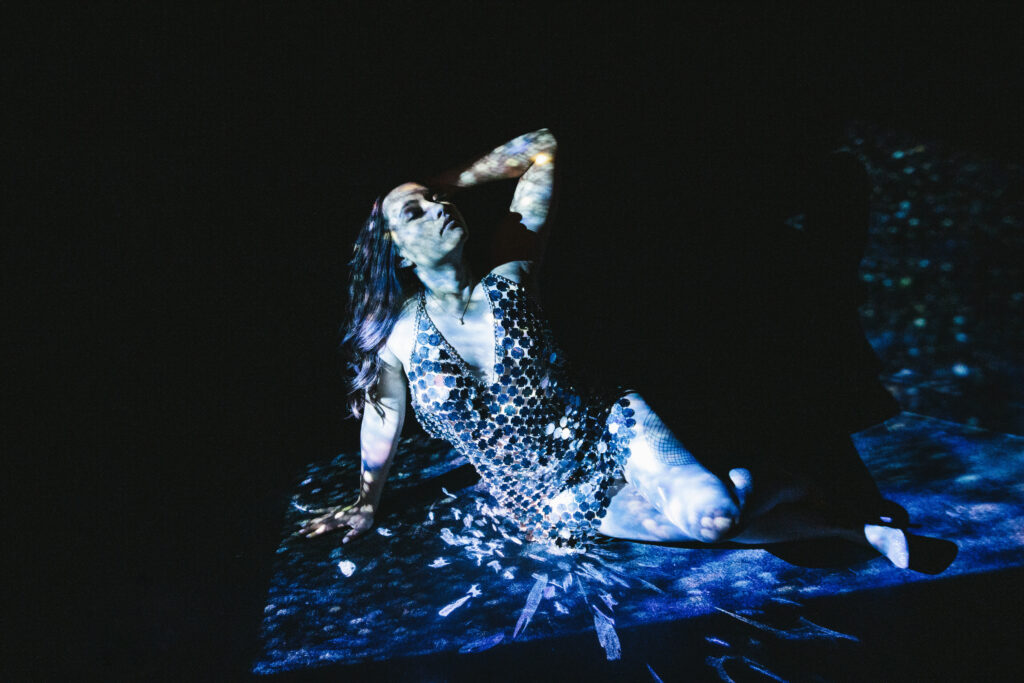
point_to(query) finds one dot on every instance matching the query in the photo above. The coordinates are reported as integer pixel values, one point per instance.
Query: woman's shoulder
(400, 341)
(519, 272)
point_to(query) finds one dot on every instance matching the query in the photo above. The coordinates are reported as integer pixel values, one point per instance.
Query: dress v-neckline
(466, 368)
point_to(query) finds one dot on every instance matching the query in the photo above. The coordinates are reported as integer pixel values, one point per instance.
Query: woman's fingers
(313, 528)
(313, 511)
(325, 523)
(359, 526)
(348, 516)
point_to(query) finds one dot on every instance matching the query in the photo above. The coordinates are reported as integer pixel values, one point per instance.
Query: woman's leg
(782, 511)
(632, 517)
(670, 497)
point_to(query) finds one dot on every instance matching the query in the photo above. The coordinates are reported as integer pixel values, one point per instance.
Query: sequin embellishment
(548, 453)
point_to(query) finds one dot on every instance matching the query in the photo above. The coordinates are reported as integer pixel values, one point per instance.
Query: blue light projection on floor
(945, 296)
(437, 575)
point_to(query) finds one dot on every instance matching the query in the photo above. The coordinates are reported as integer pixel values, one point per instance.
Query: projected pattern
(944, 269)
(439, 574)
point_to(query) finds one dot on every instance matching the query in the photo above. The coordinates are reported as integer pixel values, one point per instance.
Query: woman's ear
(403, 262)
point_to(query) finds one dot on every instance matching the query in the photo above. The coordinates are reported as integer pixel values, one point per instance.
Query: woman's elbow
(546, 139)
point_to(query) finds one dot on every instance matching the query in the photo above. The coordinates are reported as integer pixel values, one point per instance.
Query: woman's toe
(715, 526)
(723, 523)
(702, 506)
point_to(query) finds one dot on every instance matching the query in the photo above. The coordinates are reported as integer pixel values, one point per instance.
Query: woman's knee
(652, 435)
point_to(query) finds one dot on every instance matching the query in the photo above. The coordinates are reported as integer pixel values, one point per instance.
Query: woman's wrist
(365, 504)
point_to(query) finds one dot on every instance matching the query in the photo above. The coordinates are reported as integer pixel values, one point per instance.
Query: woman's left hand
(357, 518)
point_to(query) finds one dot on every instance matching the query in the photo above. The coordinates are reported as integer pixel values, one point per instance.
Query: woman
(483, 372)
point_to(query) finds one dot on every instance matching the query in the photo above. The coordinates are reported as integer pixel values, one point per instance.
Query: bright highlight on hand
(356, 518)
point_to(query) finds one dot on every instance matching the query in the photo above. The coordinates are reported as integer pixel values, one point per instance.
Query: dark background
(185, 187)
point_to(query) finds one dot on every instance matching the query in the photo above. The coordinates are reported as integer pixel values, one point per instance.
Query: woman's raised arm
(378, 440)
(529, 157)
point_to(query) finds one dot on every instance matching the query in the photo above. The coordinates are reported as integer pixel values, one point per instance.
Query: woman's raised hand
(357, 518)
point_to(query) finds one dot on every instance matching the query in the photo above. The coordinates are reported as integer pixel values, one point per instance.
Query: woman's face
(426, 230)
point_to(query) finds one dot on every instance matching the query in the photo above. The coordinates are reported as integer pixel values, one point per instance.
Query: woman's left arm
(529, 157)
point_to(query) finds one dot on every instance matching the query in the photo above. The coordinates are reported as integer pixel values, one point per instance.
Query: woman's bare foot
(890, 542)
(701, 505)
(673, 480)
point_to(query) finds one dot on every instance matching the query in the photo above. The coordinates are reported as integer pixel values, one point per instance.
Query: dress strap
(420, 311)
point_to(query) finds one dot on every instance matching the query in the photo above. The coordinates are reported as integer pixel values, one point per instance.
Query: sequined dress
(548, 451)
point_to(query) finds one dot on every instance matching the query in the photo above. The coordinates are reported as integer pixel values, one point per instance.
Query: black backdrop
(186, 186)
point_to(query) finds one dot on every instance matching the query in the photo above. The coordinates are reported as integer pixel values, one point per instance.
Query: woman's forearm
(510, 160)
(378, 441)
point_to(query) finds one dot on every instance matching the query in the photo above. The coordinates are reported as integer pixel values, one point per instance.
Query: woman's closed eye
(411, 212)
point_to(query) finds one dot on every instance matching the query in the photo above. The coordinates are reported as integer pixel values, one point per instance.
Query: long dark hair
(377, 291)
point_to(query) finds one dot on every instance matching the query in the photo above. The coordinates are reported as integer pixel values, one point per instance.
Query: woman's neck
(448, 283)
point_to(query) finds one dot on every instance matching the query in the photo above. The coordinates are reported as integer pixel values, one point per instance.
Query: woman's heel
(909, 551)
(889, 542)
